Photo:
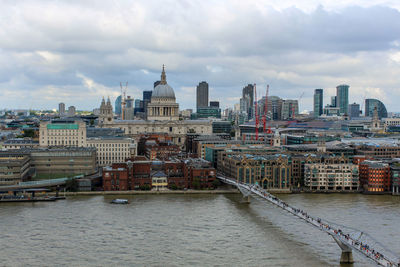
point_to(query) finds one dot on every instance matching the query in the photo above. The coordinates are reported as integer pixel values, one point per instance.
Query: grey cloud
(48, 43)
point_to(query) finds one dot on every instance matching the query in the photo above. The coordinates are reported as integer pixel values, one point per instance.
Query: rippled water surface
(188, 230)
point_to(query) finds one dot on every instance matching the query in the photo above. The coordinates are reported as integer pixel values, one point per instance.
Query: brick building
(115, 178)
(375, 176)
(140, 173)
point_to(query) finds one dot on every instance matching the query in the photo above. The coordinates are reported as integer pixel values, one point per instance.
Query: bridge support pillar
(347, 253)
(346, 257)
(246, 199)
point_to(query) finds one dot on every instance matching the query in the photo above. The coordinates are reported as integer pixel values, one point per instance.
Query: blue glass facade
(370, 104)
(342, 98)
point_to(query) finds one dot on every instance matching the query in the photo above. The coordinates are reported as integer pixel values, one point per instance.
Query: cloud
(78, 52)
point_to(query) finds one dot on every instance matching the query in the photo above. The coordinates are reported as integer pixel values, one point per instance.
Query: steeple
(108, 101)
(163, 76)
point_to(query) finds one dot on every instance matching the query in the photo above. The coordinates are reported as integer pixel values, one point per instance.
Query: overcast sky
(78, 51)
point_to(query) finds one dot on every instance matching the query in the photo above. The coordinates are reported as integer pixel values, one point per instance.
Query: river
(189, 230)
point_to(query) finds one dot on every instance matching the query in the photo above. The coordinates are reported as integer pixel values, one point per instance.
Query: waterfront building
(318, 102)
(202, 95)
(71, 111)
(65, 133)
(112, 149)
(371, 104)
(115, 178)
(334, 174)
(144, 174)
(118, 107)
(395, 173)
(61, 109)
(64, 161)
(269, 171)
(15, 167)
(199, 173)
(354, 110)
(342, 98)
(375, 176)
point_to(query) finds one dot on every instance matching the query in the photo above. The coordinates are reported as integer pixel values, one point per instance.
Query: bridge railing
(373, 249)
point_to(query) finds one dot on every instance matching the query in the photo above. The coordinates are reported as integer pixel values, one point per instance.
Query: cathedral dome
(163, 90)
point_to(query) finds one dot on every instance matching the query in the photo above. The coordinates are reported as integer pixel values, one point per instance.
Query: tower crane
(265, 113)
(256, 113)
(298, 103)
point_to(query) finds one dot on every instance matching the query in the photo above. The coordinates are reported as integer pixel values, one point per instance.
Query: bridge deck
(336, 233)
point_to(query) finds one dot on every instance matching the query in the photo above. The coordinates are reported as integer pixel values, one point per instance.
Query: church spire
(163, 76)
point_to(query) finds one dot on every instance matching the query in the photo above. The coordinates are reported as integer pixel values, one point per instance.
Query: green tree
(173, 187)
(29, 133)
(196, 183)
(216, 183)
(71, 185)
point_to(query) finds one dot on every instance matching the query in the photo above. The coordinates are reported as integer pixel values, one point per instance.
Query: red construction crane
(256, 113)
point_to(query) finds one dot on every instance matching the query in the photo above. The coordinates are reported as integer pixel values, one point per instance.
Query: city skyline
(131, 40)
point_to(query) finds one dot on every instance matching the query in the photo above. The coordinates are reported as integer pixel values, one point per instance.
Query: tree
(216, 183)
(173, 187)
(71, 185)
(196, 183)
(29, 133)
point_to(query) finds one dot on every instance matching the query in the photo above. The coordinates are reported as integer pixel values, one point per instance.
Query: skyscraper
(118, 105)
(71, 111)
(333, 101)
(147, 98)
(248, 93)
(354, 110)
(318, 102)
(342, 98)
(370, 105)
(202, 95)
(61, 109)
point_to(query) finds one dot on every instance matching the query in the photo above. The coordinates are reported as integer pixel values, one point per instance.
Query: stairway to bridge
(348, 239)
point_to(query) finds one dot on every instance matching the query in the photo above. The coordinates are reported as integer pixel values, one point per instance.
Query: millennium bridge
(348, 239)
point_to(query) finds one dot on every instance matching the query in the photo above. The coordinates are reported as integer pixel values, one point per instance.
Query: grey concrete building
(202, 95)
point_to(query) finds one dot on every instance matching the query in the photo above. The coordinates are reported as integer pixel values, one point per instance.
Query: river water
(189, 230)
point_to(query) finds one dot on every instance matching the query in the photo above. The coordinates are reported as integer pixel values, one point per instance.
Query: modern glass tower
(342, 98)
(118, 105)
(370, 104)
(318, 102)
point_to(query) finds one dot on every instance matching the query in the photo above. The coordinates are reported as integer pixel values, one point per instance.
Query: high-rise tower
(318, 102)
(342, 98)
(202, 95)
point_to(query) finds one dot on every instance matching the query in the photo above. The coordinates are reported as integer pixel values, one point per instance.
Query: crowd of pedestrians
(364, 248)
